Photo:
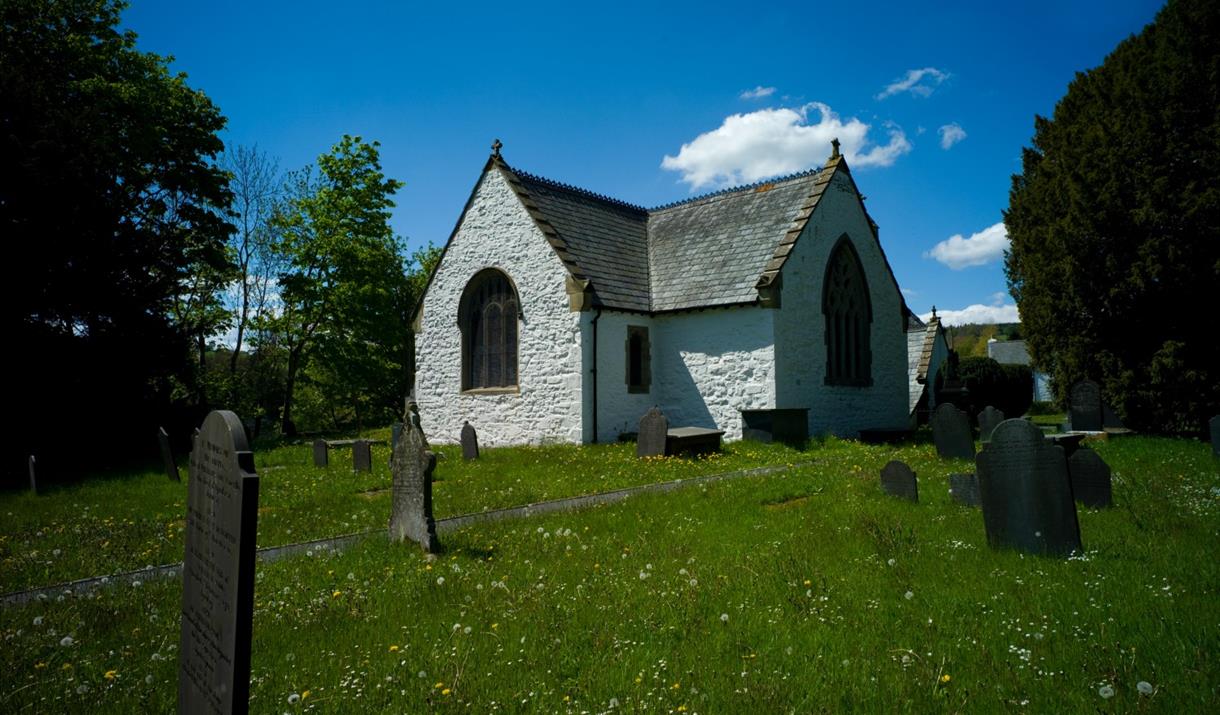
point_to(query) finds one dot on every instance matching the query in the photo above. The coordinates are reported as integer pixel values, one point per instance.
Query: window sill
(492, 391)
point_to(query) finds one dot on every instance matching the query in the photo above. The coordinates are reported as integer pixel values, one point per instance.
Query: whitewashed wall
(800, 326)
(498, 232)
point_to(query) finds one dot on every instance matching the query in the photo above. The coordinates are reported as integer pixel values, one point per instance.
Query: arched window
(487, 316)
(849, 316)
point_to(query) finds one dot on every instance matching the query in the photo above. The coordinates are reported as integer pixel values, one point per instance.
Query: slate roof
(1008, 352)
(921, 342)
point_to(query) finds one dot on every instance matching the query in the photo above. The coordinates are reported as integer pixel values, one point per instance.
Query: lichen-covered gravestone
(654, 429)
(411, 506)
(321, 453)
(1090, 477)
(470, 442)
(218, 570)
(989, 419)
(1084, 404)
(167, 455)
(951, 432)
(964, 489)
(898, 480)
(1025, 493)
(362, 455)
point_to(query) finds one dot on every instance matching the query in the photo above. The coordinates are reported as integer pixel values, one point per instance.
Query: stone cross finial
(933, 311)
(834, 143)
(495, 147)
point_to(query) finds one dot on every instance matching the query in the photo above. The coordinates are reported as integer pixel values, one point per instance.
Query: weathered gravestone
(362, 455)
(167, 455)
(470, 442)
(1214, 425)
(1025, 492)
(411, 506)
(964, 488)
(395, 433)
(321, 453)
(33, 481)
(951, 432)
(898, 480)
(654, 429)
(989, 419)
(1090, 477)
(218, 571)
(1084, 405)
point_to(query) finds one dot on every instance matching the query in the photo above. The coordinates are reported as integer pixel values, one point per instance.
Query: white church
(559, 315)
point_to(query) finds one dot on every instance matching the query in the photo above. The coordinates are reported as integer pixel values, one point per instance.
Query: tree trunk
(294, 362)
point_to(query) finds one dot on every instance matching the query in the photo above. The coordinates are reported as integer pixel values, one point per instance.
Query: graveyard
(804, 589)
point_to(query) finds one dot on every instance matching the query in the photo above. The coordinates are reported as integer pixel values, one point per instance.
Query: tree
(344, 292)
(111, 200)
(1115, 225)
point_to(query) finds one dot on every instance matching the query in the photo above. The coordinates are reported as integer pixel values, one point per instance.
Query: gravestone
(898, 480)
(1090, 477)
(1110, 418)
(654, 429)
(395, 433)
(33, 481)
(362, 455)
(167, 455)
(1084, 406)
(321, 453)
(964, 488)
(989, 419)
(411, 505)
(218, 571)
(1025, 493)
(470, 442)
(1214, 426)
(951, 432)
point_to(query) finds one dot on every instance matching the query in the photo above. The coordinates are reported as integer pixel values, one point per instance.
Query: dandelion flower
(613, 703)
(39, 665)
(305, 694)
(393, 649)
(724, 618)
(1106, 692)
(446, 691)
(111, 674)
(336, 594)
(908, 595)
(440, 580)
(66, 641)
(945, 678)
(38, 620)
(891, 562)
(1144, 687)
(294, 699)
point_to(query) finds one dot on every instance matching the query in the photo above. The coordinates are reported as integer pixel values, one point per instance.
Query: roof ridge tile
(742, 187)
(578, 190)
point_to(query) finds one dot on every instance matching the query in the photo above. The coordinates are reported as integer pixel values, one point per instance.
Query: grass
(129, 521)
(808, 591)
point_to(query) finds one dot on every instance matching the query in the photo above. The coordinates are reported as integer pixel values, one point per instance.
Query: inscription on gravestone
(1025, 493)
(470, 442)
(362, 455)
(321, 453)
(964, 488)
(951, 432)
(1084, 403)
(654, 429)
(989, 419)
(411, 505)
(1090, 477)
(218, 571)
(898, 480)
(1214, 426)
(167, 455)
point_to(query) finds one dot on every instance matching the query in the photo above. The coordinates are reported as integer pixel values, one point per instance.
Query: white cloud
(977, 313)
(951, 134)
(768, 142)
(998, 297)
(914, 83)
(758, 92)
(981, 248)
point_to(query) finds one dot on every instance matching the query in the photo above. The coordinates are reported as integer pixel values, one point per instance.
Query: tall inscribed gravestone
(654, 429)
(1084, 403)
(1025, 493)
(951, 432)
(218, 570)
(411, 503)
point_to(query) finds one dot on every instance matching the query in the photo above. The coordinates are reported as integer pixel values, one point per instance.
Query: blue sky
(654, 103)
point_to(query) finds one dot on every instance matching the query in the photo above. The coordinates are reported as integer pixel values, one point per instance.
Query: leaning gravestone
(1084, 403)
(989, 419)
(898, 480)
(411, 505)
(362, 455)
(470, 442)
(1025, 492)
(167, 455)
(964, 488)
(1214, 425)
(218, 571)
(321, 453)
(951, 432)
(1090, 477)
(33, 481)
(654, 429)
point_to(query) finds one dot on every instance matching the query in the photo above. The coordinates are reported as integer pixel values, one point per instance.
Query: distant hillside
(971, 340)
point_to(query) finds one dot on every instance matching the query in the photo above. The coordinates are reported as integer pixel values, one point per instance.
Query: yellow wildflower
(39, 665)
(439, 684)
(336, 594)
(446, 691)
(393, 649)
(945, 678)
(495, 626)
(110, 674)
(67, 666)
(305, 694)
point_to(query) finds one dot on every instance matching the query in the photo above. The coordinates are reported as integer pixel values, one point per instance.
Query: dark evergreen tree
(1115, 225)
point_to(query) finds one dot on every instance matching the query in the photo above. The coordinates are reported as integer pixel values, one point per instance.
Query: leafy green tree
(113, 205)
(344, 294)
(1115, 225)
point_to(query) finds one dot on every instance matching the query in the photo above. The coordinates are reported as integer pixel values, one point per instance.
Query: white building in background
(560, 315)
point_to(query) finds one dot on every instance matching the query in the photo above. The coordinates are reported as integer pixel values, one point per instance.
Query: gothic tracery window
(488, 319)
(848, 313)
